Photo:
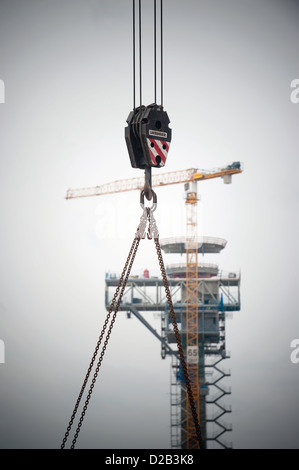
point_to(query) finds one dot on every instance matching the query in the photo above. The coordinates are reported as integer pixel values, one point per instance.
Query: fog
(67, 70)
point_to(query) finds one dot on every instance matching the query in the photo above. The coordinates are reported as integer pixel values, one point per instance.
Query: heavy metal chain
(179, 343)
(122, 282)
(147, 216)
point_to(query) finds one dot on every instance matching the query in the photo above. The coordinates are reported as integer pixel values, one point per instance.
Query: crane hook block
(148, 136)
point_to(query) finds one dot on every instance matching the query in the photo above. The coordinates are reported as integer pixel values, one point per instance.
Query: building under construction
(216, 294)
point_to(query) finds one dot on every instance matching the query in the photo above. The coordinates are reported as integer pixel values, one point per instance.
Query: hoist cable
(155, 50)
(134, 58)
(121, 285)
(161, 52)
(140, 52)
(140, 55)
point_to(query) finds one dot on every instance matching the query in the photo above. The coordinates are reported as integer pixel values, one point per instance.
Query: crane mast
(192, 351)
(163, 179)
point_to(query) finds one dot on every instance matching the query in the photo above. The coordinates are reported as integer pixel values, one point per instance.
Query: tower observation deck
(218, 292)
(205, 245)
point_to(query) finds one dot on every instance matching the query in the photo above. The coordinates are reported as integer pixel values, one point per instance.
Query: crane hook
(148, 183)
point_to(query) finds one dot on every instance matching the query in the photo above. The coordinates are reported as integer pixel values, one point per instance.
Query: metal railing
(199, 240)
(200, 265)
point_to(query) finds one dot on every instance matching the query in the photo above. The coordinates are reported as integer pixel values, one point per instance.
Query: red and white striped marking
(160, 148)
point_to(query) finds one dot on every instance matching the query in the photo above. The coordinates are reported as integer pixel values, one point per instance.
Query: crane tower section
(192, 352)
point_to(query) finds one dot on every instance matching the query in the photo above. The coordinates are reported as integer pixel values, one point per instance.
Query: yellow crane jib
(225, 173)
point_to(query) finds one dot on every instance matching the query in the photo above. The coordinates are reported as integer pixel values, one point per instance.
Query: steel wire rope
(161, 51)
(140, 55)
(140, 52)
(162, 78)
(134, 58)
(121, 285)
(155, 50)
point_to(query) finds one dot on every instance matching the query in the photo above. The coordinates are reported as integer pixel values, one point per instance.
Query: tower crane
(148, 139)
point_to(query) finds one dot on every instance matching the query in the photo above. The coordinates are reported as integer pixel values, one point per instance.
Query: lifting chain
(147, 216)
(120, 287)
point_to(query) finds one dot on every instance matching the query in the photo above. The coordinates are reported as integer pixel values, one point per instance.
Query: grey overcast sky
(67, 70)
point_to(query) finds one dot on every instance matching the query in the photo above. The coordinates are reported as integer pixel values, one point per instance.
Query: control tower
(217, 293)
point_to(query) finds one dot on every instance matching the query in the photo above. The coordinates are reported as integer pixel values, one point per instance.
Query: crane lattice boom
(172, 177)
